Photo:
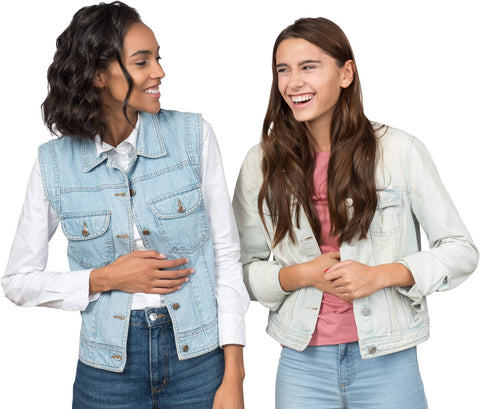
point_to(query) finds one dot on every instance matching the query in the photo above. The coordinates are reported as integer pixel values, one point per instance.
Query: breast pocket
(90, 241)
(385, 225)
(386, 219)
(181, 219)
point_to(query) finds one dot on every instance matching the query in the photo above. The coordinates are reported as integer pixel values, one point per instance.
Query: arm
(26, 282)
(232, 297)
(260, 274)
(452, 256)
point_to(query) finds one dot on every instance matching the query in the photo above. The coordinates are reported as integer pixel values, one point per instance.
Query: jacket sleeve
(452, 256)
(260, 272)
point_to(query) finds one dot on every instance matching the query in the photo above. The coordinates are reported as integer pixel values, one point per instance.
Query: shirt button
(176, 306)
(146, 232)
(132, 192)
(372, 350)
(153, 316)
(185, 348)
(366, 312)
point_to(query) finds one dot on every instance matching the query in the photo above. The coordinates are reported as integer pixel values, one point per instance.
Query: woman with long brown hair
(328, 208)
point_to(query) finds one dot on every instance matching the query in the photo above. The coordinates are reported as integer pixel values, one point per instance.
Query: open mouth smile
(301, 99)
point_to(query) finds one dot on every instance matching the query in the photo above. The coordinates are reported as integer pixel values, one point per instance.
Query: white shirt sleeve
(232, 296)
(25, 281)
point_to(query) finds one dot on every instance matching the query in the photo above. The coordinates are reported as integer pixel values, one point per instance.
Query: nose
(296, 80)
(158, 71)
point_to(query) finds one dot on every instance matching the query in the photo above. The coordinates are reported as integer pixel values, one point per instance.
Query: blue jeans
(336, 377)
(153, 377)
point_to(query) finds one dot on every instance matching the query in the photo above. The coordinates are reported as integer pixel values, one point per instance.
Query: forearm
(234, 367)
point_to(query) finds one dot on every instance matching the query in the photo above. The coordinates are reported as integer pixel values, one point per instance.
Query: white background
(419, 66)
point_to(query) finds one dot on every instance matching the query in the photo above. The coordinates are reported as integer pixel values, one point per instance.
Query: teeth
(155, 90)
(302, 98)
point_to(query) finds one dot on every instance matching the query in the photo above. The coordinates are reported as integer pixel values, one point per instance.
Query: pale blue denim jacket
(97, 204)
(410, 193)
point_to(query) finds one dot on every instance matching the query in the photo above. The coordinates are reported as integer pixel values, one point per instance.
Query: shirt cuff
(231, 329)
(77, 288)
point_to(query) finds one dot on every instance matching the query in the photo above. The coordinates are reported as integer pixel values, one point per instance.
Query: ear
(348, 73)
(99, 79)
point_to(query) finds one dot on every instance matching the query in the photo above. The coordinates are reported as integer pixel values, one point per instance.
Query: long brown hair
(289, 150)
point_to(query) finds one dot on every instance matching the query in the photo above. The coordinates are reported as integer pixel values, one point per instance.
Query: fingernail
(187, 279)
(326, 270)
(192, 271)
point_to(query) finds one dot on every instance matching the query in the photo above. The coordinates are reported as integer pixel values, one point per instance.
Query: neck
(321, 134)
(117, 128)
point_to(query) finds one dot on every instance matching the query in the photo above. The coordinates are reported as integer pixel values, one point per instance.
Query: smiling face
(140, 58)
(310, 81)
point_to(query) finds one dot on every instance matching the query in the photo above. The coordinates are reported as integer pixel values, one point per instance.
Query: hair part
(289, 152)
(91, 42)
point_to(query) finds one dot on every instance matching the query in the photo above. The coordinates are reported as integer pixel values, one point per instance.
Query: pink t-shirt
(336, 322)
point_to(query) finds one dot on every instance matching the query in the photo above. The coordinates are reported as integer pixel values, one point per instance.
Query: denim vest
(97, 205)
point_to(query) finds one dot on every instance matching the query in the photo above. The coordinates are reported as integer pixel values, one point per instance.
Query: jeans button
(153, 316)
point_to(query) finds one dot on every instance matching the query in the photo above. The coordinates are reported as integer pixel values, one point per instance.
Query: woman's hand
(140, 272)
(309, 273)
(229, 395)
(353, 280)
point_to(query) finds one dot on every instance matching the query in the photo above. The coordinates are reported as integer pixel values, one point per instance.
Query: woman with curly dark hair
(338, 201)
(155, 274)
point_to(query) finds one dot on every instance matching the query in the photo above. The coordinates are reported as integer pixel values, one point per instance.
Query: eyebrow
(147, 52)
(299, 64)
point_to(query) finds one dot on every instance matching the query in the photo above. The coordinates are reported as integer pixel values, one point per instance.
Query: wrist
(394, 275)
(234, 367)
(99, 280)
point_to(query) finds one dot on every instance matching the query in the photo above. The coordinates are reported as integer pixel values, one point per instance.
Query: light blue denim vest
(97, 205)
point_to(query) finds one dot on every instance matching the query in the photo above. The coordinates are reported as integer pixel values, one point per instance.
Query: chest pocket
(90, 241)
(386, 219)
(181, 218)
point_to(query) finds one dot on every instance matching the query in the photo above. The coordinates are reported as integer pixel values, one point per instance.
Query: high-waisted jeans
(153, 376)
(336, 377)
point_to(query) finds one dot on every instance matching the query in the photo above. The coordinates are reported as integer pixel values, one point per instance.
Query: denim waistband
(150, 317)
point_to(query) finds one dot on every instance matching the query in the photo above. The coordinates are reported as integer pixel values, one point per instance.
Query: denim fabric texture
(336, 377)
(97, 204)
(153, 377)
(410, 195)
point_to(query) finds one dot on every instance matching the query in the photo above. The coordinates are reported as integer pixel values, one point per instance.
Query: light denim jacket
(97, 202)
(410, 193)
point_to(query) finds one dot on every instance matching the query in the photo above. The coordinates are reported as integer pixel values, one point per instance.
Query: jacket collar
(150, 143)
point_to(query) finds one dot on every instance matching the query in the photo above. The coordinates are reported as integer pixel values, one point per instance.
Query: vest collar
(150, 143)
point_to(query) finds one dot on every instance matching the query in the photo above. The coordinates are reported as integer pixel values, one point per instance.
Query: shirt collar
(125, 147)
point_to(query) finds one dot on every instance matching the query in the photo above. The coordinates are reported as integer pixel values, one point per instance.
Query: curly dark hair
(92, 41)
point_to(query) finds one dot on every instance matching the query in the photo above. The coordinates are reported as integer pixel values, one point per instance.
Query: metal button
(153, 316)
(185, 348)
(176, 306)
(372, 350)
(180, 207)
(146, 232)
(117, 357)
(132, 192)
(366, 312)
(85, 231)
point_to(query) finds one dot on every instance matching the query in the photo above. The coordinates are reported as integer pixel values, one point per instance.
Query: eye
(281, 70)
(308, 67)
(141, 63)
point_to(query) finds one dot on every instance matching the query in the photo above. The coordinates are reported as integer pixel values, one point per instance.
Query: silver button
(153, 316)
(366, 312)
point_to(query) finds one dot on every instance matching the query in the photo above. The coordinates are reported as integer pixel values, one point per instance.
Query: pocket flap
(177, 204)
(85, 225)
(387, 198)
